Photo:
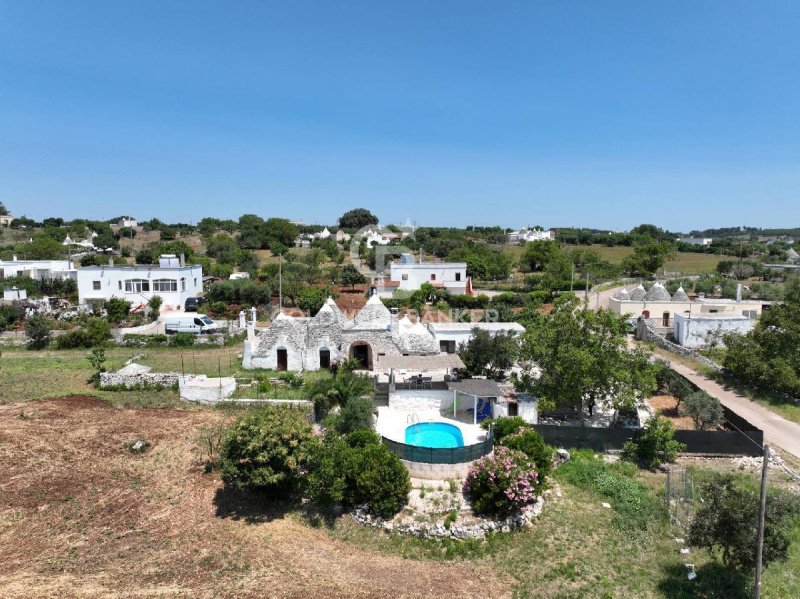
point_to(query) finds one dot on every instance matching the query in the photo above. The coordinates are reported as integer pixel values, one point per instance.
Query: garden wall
(611, 439)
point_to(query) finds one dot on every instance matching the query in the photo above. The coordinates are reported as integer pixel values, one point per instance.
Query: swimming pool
(434, 434)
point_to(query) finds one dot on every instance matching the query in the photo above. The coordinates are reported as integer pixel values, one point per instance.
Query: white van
(190, 323)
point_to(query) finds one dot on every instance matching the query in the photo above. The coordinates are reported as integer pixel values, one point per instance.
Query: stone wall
(116, 379)
(646, 332)
(428, 530)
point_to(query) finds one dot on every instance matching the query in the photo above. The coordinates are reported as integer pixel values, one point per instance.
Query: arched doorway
(362, 352)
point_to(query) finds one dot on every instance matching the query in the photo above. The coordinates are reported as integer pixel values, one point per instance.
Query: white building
(170, 279)
(127, 221)
(696, 240)
(324, 234)
(5, 220)
(14, 294)
(37, 269)
(526, 235)
(702, 330)
(410, 275)
(450, 335)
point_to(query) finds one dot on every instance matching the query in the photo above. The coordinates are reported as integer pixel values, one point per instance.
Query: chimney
(420, 255)
(738, 292)
(183, 259)
(393, 326)
(15, 257)
(111, 261)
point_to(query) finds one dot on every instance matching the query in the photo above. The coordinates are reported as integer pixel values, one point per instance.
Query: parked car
(193, 304)
(199, 324)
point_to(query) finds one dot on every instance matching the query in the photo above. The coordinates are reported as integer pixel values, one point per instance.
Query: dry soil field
(81, 516)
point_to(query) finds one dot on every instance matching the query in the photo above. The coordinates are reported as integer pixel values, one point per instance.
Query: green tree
(357, 218)
(537, 254)
(581, 360)
(279, 230)
(727, 522)
(37, 328)
(489, 355)
(3, 209)
(655, 445)
(311, 299)
(648, 257)
(767, 356)
(267, 450)
(705, 411)
(351, 276)
(154, 305)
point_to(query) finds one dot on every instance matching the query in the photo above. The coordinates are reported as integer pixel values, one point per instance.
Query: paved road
(783, 433)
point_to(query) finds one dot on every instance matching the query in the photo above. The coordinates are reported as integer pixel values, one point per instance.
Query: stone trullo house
(311, 343)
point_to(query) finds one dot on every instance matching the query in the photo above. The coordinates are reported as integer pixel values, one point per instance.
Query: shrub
(503, 427)
(705, 411)
(9, 315)
(117, 309)
(728, 522)
(37, 328)
(531, 443)
(155, 305)
(356, 469)
(182, 340)
(94, 332)
(502, 483)
(655, 445)
(355, 415)
(266, 450)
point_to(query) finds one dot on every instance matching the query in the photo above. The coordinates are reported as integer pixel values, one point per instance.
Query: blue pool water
(434, 434)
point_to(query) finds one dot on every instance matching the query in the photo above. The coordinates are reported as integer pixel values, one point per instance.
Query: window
(137, 285)
(198, 322)
(665, 319)
(183, 284)
(405, 277)
(165, 285)
(433, 277)
(447, 346)
(750, 313)
(96, 285)
(458, 276)
(119, 285)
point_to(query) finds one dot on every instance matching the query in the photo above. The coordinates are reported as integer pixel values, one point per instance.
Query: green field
(27, 375)
(685, 263)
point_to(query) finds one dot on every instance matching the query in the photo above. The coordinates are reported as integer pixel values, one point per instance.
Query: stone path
(783, 433)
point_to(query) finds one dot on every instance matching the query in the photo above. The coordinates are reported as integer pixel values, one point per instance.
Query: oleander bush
(502, 483)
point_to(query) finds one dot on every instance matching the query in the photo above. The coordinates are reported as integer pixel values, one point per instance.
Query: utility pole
(762, 510)
(572, 277)
(280, 283)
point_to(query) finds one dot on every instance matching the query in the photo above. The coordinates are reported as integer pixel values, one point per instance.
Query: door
(361, 353)
(283, 359)
(324, 358)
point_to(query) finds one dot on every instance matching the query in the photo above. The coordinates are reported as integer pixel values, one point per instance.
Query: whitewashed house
(450, 335)
(170, 278)
(525, 235)
(410, 275)
(37, 269)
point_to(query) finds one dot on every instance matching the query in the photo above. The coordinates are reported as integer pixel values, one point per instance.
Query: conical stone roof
(638, 293)
(657, 293)
(680, 296)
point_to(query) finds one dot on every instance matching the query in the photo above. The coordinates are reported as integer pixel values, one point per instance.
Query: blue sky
(601, 114)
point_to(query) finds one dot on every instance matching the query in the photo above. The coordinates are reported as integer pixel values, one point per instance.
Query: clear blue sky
(603, 114)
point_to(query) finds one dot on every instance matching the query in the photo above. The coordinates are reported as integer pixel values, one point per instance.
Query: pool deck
(392, 424)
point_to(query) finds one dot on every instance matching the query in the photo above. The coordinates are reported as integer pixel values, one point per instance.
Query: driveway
(783, 433)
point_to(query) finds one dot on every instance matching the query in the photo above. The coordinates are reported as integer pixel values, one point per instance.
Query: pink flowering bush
(502, 483)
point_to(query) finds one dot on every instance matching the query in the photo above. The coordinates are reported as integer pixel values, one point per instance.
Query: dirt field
(81, 516)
